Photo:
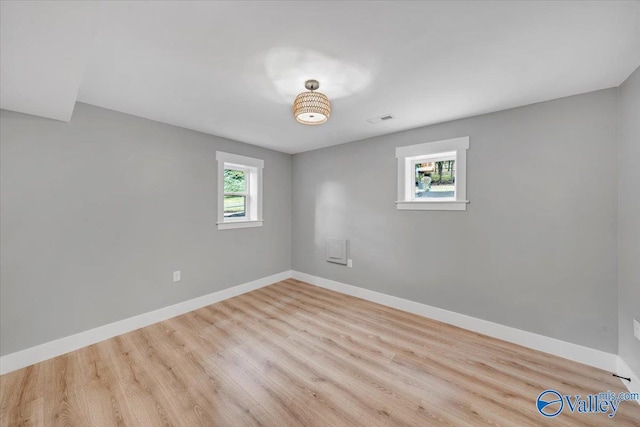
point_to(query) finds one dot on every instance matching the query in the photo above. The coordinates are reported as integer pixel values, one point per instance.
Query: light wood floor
(292, 354)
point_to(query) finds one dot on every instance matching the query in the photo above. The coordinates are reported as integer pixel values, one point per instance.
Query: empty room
(319, 213)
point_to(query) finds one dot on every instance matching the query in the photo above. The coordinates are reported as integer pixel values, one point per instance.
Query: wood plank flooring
(292, 354)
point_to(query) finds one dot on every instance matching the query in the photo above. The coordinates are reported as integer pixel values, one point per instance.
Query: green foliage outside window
(234, 181)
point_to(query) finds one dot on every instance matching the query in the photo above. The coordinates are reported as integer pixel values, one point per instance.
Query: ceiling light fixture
(311, 108)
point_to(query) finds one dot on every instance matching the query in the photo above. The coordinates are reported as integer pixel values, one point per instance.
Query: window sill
(239, 224)
(433, 205)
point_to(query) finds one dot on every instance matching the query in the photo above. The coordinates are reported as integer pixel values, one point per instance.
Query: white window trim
(408, 155)
(253, 168)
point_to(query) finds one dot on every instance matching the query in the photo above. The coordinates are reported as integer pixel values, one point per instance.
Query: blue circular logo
(550, 403)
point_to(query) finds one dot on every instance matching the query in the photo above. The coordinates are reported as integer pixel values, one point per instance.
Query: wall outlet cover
(176, 276)
(636, 329)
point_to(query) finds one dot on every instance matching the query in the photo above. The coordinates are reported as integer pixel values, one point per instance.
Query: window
(239, 191)
(235, 192)
(432, 176)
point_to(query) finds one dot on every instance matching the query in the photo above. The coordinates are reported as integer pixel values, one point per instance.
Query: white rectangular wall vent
(337, 250)
(382, 118)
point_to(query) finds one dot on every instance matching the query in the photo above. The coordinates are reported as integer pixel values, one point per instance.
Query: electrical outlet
(636, 329)
(350, 263)
(176, 276)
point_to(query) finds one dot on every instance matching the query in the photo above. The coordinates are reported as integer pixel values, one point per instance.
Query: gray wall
(97, 213)
(629, 219)
(537, 247)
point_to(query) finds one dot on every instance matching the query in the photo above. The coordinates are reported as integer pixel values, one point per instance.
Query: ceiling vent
(383, 118)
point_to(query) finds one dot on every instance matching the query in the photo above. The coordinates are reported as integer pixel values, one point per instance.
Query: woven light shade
(311, 108)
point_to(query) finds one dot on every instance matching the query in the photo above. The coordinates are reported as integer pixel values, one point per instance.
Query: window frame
(408, 156)
(253, 169)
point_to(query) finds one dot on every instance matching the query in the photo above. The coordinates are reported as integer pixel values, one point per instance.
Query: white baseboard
(578, 353)
(575, 352)
(625, 371)
(39, 353)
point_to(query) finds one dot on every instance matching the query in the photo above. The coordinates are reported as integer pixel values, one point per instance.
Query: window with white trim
(239, 191)
(433, 175)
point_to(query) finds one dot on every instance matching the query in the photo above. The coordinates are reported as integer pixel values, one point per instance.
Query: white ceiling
(233, 68)
(44, 47)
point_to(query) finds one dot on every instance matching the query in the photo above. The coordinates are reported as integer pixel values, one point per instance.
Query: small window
(239, 191)
(235, 192)
(435, 178)
(432, 176)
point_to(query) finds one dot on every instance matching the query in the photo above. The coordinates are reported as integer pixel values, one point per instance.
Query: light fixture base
(311, 84)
